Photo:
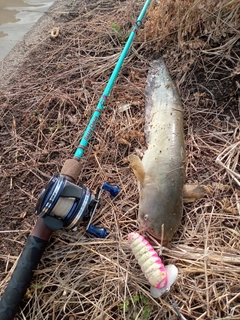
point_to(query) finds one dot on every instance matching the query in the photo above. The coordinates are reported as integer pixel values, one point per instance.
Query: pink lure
(159, 276)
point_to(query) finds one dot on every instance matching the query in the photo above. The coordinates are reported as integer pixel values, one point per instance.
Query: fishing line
(175, 307)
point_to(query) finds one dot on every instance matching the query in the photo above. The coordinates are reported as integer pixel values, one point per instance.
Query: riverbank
(16, 19)
(38, 33)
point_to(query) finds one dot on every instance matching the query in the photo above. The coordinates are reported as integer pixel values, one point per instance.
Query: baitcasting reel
(63, 204)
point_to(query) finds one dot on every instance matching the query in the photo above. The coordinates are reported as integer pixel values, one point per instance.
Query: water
(16, 18)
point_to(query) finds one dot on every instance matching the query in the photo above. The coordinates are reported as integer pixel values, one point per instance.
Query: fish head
(159, 212)
(160, 196)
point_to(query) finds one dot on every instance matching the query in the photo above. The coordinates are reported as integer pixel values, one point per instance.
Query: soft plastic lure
(160, 277)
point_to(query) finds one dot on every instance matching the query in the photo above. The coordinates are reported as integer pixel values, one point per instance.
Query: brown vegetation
(44, 112)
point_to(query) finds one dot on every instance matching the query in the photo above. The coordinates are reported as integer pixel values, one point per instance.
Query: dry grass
(44, 112)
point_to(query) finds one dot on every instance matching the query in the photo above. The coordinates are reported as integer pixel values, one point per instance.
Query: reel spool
(64, 204)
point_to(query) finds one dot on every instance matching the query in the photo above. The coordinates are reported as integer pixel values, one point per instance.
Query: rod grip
(72, 169)
(21, 277)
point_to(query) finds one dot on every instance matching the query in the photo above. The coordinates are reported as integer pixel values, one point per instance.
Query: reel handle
(21, 277)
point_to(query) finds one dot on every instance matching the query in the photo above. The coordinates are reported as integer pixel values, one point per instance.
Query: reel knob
(96, 231)
(113, 190)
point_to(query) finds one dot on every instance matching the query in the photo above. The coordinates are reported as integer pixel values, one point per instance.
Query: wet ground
(16, 18)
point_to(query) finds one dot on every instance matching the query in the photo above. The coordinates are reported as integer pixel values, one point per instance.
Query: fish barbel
(161, 173)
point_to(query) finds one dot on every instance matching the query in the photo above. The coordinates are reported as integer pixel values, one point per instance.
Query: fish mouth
(146, 230)
(154, 240)
(146, 227)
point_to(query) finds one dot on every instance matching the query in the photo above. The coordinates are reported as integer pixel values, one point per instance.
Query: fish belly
(160, 206)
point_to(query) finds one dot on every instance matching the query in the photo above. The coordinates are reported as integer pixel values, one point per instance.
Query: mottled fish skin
(160, 204)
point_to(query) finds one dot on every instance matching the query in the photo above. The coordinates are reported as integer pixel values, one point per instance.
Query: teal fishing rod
(94, 119)
(62, 203)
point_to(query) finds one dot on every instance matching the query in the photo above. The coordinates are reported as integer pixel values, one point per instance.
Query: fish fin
(192, 192)
(137, 167)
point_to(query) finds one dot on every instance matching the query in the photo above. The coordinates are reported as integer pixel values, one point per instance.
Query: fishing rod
(62, 203)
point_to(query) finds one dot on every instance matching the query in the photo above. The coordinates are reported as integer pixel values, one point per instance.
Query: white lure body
(159, 276)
